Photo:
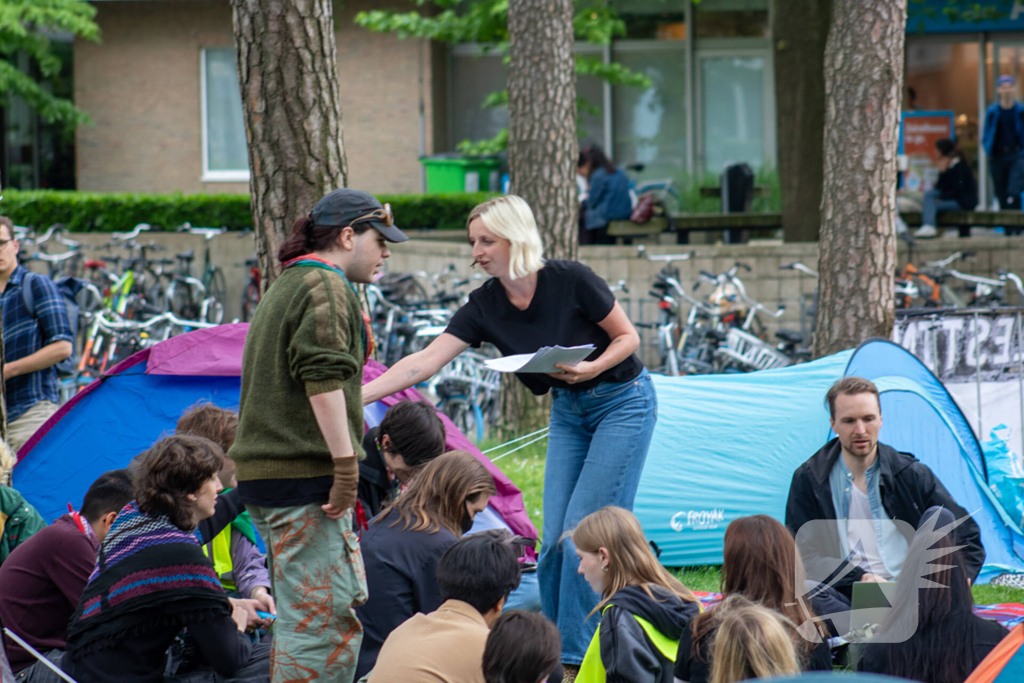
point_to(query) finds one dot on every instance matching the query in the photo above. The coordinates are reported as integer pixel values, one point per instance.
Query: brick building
(163, 91)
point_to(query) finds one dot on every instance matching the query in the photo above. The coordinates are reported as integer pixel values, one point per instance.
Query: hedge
(114, 212)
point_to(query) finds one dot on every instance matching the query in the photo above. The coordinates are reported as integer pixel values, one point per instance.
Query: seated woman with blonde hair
(751, 641)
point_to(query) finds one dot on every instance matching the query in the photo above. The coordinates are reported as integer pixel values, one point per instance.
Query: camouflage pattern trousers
(317, 572)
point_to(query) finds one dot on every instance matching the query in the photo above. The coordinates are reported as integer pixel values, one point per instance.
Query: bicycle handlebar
(126, 236)
(52, 258)
(208, 233)
(946, 262)
(796, 265)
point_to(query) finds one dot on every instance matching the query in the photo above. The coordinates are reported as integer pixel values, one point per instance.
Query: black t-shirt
(565, 310)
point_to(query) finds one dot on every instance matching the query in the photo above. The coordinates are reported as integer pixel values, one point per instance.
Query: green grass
(526, 470)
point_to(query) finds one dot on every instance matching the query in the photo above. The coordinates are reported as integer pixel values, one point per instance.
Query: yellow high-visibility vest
(222, 562)
(592, 669)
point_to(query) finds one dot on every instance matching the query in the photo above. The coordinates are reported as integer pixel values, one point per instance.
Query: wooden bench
(627, 230)
(716, 191)
(965, 219)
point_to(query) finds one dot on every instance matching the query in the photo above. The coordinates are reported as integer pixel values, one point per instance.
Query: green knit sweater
(306, 338)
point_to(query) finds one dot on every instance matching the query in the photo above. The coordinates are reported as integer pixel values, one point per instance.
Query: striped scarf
(148, 573)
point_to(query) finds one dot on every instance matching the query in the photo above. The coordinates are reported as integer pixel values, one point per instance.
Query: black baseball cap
(342, 207)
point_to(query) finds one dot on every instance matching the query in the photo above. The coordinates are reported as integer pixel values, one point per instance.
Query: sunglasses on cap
(383, 215)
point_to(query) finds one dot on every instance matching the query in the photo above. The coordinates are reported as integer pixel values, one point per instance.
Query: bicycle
(198, 298)
(251, 292)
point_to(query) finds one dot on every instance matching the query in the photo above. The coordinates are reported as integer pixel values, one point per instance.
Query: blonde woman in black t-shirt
(603, 409)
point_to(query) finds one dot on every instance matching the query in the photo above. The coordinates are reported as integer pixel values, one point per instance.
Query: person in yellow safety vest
(236, 556)
(644, 609)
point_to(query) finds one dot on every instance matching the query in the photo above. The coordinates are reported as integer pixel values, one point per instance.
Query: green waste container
(453, 173)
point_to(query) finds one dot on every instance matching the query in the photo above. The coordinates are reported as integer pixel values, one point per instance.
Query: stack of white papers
(543, 361)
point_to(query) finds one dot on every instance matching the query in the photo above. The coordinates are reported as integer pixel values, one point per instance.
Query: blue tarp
(726, 446)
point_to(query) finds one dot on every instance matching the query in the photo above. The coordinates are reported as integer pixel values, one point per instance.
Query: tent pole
(977, 371)
(1020, 380)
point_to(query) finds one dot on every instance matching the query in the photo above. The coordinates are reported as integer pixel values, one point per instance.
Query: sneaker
(950, 232)
(926, 231)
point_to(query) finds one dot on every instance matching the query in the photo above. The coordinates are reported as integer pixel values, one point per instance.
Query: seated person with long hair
(760, 563)
(932, 634)
(474, 578)
(410, 435)
(126, 621)
(241, 565)
(752, 642)
(643, 608)
(404, 543)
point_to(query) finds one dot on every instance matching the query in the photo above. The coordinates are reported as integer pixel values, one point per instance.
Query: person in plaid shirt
(33, 343)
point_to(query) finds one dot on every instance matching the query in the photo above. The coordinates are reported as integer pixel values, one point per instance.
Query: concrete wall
(141, 87)
(766, 282)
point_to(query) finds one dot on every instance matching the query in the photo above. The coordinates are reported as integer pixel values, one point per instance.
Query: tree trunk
(288, 73)
(799, 29)
(542, 145)
(542, 152)
(857, 254)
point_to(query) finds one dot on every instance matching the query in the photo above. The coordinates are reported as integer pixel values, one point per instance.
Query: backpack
(68, 287)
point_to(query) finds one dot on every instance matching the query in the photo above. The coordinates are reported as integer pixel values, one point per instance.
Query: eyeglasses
(383, 214)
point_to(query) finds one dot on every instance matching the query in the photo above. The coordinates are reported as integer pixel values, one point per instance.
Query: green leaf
(24, 29)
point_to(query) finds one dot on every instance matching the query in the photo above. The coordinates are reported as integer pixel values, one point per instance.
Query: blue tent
(726, 446)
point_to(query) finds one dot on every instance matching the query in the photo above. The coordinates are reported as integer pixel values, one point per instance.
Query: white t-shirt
(860, 534)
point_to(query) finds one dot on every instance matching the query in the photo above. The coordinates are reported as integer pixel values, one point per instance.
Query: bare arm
(624, 342)
(413, 369)
(49, 355)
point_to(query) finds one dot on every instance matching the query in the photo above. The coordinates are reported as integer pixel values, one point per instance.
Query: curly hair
(171, 469)
(207, 420)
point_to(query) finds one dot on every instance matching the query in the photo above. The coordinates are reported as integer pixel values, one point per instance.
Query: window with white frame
(225, 155)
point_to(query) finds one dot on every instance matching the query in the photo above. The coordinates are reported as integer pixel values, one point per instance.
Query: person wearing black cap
(300, 430)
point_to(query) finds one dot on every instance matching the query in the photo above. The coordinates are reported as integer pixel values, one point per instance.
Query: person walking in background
(608, 198)
(34, 342)
(300, 428)
(1003, 140)
(955, 190)
(603, 409)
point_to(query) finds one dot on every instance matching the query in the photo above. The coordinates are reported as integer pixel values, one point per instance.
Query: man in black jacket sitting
(863, 501)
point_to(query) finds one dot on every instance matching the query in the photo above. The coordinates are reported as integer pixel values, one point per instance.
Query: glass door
(735, 124)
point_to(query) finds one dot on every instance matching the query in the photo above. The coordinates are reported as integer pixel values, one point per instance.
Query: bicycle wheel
(216, 293)
(466, 416)
(182, 303)
(250, 297)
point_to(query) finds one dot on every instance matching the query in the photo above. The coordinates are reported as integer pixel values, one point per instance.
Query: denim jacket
(892, 545)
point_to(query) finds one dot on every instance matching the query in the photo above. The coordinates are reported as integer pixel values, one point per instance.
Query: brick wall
(766, 282)
(141, 87)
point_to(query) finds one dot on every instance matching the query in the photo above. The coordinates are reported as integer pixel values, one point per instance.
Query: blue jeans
(933, 203)
(596, 450)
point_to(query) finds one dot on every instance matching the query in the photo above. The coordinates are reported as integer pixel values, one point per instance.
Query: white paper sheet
(543, 361)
